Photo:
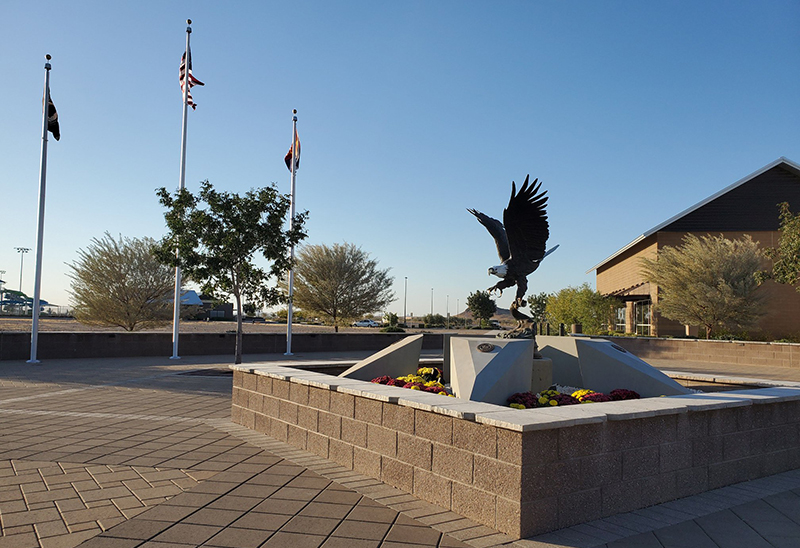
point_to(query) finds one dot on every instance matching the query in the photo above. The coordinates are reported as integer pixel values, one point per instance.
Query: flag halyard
(288, 157)
(192, 80)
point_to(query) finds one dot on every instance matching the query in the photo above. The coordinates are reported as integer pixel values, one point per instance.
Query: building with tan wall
(748, 206)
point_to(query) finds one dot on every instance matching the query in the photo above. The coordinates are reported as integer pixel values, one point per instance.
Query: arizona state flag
(52, 118)
(288, 157)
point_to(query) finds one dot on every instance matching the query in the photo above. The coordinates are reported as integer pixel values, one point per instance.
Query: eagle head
(501, 271)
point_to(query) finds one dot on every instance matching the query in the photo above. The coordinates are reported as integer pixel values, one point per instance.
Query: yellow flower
(415, 388)
(517, 406)
(542, 400)
(553, 402)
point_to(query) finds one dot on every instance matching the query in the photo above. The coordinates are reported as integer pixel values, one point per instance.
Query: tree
(434, 320)
(390, 318)
(481, 305)
(249, 309)
(121, 283)
(785, 257)
(340, 283)
(218, 236)
(581, 305)
(538, 307)
(709, 281)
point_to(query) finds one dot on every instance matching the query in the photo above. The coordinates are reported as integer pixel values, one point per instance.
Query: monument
(520, 241)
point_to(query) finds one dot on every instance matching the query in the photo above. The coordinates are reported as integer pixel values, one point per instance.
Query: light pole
(448, 312)
(457, 312)
(431, 303)
(22, 251)
(2, 272)
(405, 295)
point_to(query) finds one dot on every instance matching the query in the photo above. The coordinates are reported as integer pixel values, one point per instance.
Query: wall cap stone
(525, 420)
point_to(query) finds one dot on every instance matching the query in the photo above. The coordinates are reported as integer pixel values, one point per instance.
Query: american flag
(288, 157)
(192, 80)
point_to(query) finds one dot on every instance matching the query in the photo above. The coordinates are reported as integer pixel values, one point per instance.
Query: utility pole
(405, 295)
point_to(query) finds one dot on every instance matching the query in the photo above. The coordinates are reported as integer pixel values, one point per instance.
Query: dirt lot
(70, 325)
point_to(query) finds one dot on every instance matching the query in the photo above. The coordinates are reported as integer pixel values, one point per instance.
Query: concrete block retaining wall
(701, 350)
(58, 345)
(525, 472)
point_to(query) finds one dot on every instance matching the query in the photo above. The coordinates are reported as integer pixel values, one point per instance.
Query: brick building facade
(748, 206)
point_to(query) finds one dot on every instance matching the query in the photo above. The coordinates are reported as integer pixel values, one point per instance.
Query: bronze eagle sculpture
(520, 238)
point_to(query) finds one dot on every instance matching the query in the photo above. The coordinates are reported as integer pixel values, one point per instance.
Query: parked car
(366, 323)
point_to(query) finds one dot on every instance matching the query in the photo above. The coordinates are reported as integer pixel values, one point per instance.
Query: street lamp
(448, 312)
(405, 295)
(22, 251)
(2, 272)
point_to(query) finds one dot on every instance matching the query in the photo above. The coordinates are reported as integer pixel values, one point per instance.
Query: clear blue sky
(409, 113)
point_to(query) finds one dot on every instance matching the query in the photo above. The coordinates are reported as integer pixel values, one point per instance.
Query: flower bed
(567, 395)
(427, 379)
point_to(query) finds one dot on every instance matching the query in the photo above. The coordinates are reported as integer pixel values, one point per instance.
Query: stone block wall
(532, 471)
(701, 350)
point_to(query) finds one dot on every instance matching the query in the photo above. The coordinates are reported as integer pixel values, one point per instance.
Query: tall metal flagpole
(176, 317)
(291, 222)
(37, 284)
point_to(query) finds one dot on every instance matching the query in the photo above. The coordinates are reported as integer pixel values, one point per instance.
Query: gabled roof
(785, 162)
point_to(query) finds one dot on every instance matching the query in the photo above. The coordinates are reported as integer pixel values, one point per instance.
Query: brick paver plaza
(136, 452)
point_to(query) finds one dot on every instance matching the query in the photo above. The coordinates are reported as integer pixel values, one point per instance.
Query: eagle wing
(526, 226)
(497, 231)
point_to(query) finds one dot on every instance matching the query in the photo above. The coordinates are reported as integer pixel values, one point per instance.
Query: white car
(366, 323)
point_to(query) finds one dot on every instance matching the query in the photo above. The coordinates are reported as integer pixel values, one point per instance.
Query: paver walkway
(134, 452)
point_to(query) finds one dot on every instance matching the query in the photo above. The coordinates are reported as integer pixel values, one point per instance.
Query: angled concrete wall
(398, 360)
(604, 366)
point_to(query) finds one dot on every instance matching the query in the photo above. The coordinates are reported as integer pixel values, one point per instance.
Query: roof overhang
(790, 165)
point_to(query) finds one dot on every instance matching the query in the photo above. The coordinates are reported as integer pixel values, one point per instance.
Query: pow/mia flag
(52, 118)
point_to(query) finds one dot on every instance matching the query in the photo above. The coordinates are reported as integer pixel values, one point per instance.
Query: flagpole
(176, 316)
(37, 285)
(291, 223)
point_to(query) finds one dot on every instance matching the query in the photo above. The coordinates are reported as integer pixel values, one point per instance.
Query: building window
(643, 315)
(217, 314)
(619, 319)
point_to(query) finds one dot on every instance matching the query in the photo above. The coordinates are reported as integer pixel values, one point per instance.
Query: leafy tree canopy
(538, 307)
(219, 236)
(581, 305)
(340, 283)
(434, 320)
(121, 283)
(786, 257)
(390, 318)
(709, 281)
(482, 306)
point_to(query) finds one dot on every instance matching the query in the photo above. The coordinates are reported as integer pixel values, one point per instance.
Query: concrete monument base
(490, 371)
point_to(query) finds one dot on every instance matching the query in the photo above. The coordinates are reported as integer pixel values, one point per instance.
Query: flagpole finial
(188, 21)
(47, 57)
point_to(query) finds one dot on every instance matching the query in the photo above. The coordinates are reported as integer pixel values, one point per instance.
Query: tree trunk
(708, 332)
